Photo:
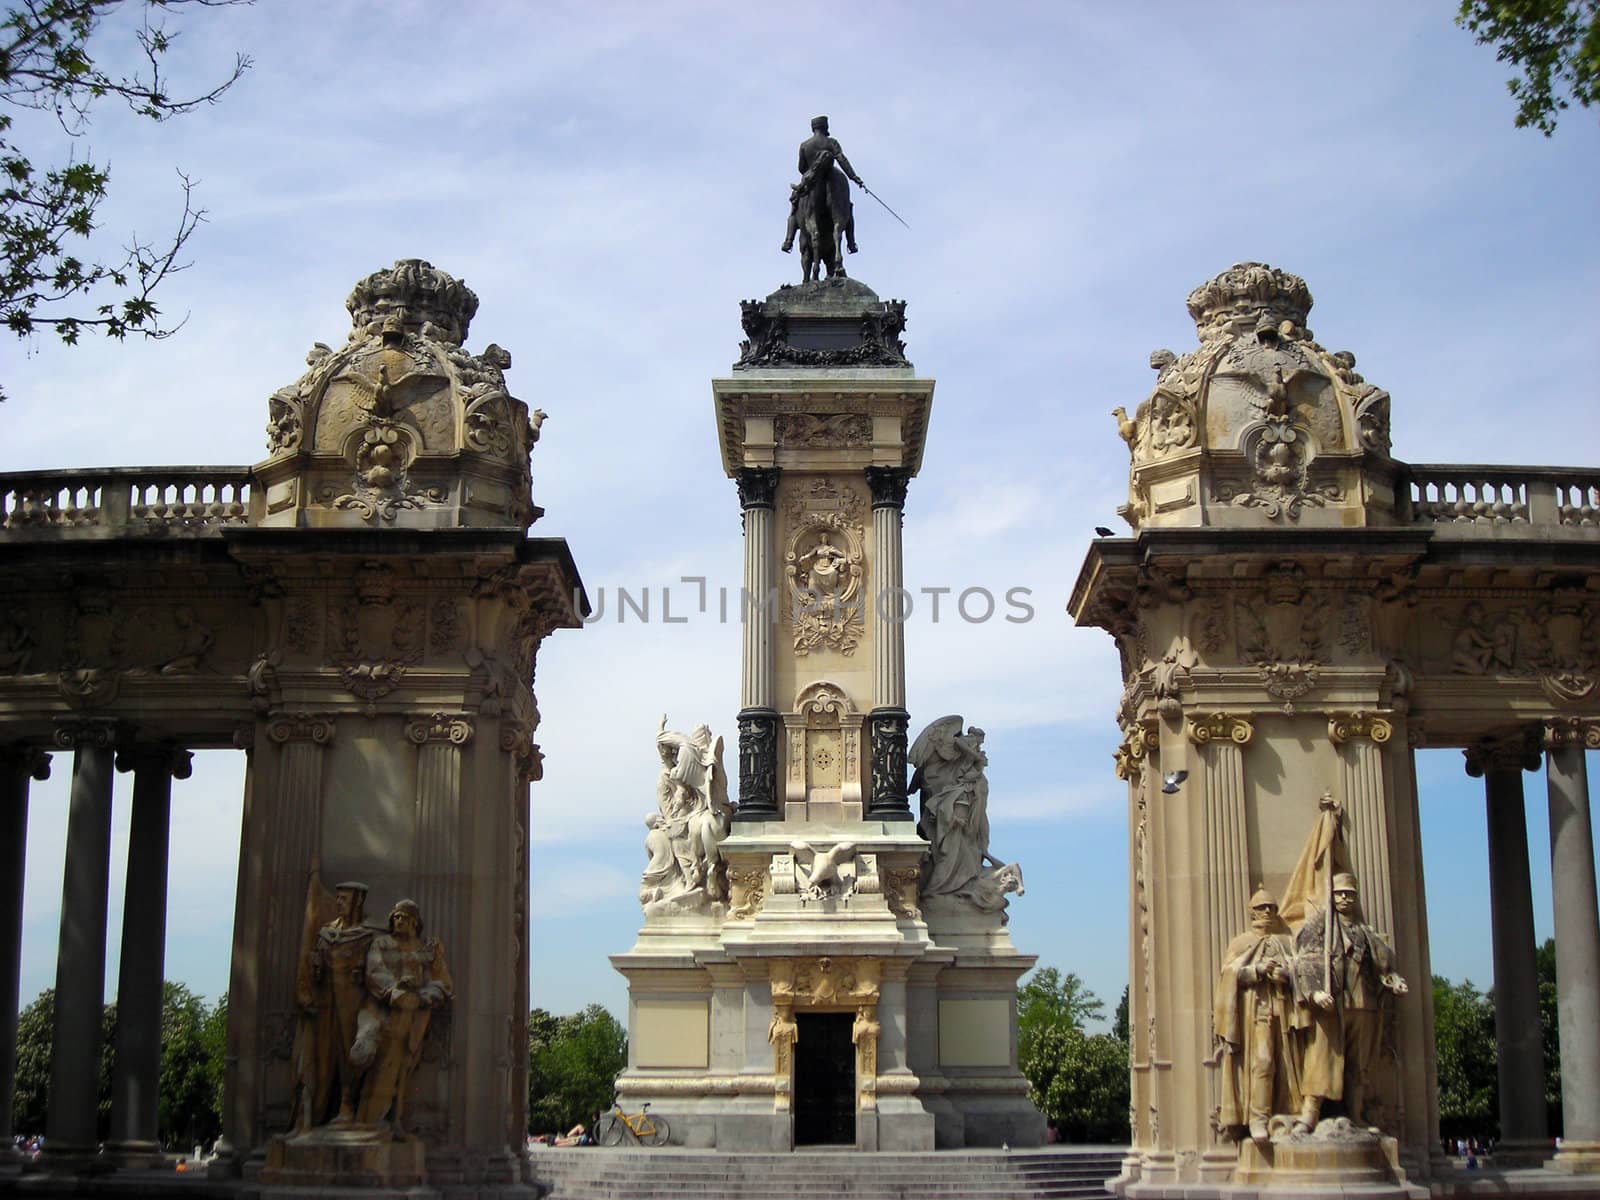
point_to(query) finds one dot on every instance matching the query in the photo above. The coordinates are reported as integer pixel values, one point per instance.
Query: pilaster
(888, 721)
(1361, 737)
(436, 858)
(758, 714)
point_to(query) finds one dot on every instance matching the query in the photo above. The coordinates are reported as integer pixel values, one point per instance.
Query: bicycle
(641, 1126)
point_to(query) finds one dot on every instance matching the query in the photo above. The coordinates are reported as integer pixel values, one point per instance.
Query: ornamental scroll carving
(810, 431)
(824, 568)
(301, 727)
(1369, 726)
(901, 890)
(440, 727)
(1139, 741)
(1567, 732)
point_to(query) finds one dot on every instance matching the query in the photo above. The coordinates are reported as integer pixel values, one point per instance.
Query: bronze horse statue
(826, 219)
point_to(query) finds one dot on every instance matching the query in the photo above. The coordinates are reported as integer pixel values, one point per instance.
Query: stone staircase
(637, 1174)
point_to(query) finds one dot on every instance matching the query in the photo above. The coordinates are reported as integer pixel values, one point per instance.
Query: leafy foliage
(1079, 1081)
(573, 1064)
(35, 1030)
(1554, 43)
(1549, 1021)
(187, 1112)
(49, 277)
(1464, 1038)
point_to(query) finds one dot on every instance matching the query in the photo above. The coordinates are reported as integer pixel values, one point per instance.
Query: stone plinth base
(349, 1157)
(1354, 1158)
(1577, 1158)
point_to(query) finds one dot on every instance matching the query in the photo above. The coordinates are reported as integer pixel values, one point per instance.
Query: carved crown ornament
(1284, 425)
(402, 419)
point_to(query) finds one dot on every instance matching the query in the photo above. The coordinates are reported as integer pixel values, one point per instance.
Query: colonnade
(99, 747)
(1500, 762)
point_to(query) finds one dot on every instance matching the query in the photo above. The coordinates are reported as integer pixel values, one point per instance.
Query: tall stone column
(1361, 737)
(293, 823)
(1577, 923)
(1223, 737)
(17, 765)
(1524, 1130)
(72, 1124)
(436, 856)
(887, 722)
(136, 1078)
(758, 713)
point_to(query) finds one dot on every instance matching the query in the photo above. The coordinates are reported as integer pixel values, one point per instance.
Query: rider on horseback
(820, 155)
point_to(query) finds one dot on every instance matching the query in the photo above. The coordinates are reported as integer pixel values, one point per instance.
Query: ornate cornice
(1347, 727)
(453, 728)
(1563, 733)
(301, 727)
(1220, 727)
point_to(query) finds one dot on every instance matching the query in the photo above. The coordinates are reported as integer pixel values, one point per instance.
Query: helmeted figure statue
(406, 982)
(330, 988)
(820, 211)
(955, 803)
(1252, 1015)
(1344, 979)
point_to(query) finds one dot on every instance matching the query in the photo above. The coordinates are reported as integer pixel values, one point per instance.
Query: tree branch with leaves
(1554, 43)
(50, 277)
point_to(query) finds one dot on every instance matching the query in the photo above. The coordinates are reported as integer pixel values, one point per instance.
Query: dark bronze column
(758, 713)
(888, 720)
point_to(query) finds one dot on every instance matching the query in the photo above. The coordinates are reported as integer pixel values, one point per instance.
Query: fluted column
(1361, 737)
(17, 765)
(1524, 1128)
(887, 722)
(1577, 923)
(1222, 737)
(71, 1125)
(294, 824)
(758, 713)
(435, 861)
(136, 1078)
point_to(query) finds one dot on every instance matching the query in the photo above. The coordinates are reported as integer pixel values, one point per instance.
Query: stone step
(1066, 1173)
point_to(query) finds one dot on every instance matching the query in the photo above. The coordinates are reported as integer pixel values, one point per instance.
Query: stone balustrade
(1501, 497)
(192, 501)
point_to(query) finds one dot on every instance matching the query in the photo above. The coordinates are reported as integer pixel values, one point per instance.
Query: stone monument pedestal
(1339, 1158)
(353, 1156)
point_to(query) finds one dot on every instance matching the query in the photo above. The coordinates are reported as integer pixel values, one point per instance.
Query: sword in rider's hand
(886, 208)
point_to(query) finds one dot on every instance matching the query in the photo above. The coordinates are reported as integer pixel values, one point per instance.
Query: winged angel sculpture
(692, 818)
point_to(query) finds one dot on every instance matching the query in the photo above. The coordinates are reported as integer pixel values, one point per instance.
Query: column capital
(1220, 727)
(758, 486)
(1347, 727)
(165, 755)
(516, 739)
(888, 486)
(1560, 733)
(301, 727)
(1511, 752)
(1139, 741)
(94, 733)
(454, 728)
(30, 760)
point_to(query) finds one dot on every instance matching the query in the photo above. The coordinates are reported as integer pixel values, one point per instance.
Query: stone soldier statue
(1251, 1017)
(330, 988)
(819, 205)
(406, 982)
(1344, 978)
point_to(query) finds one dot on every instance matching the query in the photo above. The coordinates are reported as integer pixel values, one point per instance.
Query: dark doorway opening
(824, 1080)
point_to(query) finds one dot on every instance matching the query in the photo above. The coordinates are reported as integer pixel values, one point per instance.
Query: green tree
(1079, 1081)
(187, 1105)
(35, 1031)
(1464, 1038)
(1550, 1027)
(50, 274)
(1120, 1028)
(573, 1064)
(214, 1038)
(1555, 44)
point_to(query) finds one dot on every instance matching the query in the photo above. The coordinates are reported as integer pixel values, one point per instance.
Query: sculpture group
(690, 822)
(366, 996)
(1301, 1015)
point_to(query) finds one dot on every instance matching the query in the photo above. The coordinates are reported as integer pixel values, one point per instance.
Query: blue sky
(611, 180)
